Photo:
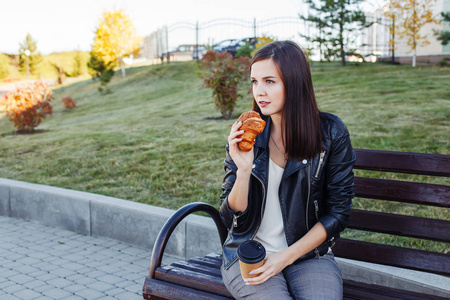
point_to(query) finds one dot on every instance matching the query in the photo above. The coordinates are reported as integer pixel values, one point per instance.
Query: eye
(270, 81)
(254, 82)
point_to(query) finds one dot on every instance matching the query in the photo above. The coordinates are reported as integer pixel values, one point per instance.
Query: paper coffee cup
(251, 256)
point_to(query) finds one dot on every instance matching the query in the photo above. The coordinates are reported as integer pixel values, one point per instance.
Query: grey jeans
(315, 278)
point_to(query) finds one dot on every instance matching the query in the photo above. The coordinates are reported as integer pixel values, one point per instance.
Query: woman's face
(268, 88)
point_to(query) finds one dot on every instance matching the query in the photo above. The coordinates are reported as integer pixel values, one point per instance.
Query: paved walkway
(39, 262)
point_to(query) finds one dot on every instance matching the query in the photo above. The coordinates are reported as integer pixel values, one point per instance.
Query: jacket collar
(262, 141)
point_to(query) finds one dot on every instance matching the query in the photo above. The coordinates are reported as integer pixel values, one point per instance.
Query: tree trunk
(123, 67)
(341, 37)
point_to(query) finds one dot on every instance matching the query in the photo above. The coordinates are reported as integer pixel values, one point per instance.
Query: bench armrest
(171, 224)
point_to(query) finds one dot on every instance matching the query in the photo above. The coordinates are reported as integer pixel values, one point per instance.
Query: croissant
(253, 125)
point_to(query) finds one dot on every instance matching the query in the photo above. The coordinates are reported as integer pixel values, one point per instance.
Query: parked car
(181, 53)
(198, 52)
(235, 45)
(222, 45)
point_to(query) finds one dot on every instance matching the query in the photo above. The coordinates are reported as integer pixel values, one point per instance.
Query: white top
(271, 232)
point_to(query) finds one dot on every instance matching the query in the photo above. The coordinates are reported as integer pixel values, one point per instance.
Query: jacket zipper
(307, 199)
(322, 155)
(316, 207)
(235, 223)
(262, 209)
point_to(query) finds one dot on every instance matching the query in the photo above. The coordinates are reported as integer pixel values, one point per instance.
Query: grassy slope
(158, 139)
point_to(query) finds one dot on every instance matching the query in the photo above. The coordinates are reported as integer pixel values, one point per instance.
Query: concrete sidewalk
(39, 262)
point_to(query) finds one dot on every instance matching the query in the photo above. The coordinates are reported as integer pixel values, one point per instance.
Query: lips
(263, 103)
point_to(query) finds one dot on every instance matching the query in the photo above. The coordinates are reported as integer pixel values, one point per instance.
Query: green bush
(444, 61)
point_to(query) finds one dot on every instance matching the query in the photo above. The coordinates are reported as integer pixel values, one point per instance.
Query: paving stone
(26, 269)
(85, 280)
(134, 288)
(11, 289)
(89, 294)
(9, 273)
(11, 297)
(62, 272)
(72, 266)
(128, 296)
(73, 297)
(12, 265)
(111, 279)
(21, 278)
(33, 284)
(55, 264)
(100, 286)
(74, 288)
(59, 282)
(114, 292)
(37, 273)
(27, 294)
(43, 288)
(47, 277)
(56, 293)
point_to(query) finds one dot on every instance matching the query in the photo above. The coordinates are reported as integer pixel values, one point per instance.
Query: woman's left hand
(274, 264)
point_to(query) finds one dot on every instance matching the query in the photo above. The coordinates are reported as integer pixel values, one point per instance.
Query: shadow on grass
(24, 132)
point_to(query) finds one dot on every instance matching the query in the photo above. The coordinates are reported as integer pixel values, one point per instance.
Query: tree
(116, 38)
(335, 19)
(5, 66)
(262, 41)
(29, 58)
(60, 72)
(77, 64)
(444, 36)
(99, 69)
(413, 15)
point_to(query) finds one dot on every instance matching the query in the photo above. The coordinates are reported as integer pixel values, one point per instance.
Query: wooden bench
(200, 278)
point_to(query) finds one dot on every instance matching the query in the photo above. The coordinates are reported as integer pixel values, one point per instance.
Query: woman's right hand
(242, 159)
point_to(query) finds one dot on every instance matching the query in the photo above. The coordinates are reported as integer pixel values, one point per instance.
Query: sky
(59, 26)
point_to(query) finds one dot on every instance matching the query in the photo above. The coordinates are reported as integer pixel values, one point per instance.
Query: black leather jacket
(317, 190)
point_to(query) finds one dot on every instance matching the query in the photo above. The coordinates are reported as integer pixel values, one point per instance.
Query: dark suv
(237, 44)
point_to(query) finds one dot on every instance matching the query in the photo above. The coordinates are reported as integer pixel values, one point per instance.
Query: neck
(276, 128)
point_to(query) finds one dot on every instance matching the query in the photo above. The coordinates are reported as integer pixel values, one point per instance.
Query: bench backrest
(428, 194)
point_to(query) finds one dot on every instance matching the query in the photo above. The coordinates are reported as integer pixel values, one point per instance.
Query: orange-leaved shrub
(68, 103)
(27, 106)
(224, 74)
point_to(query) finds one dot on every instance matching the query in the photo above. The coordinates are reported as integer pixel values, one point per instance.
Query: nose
(258, 90)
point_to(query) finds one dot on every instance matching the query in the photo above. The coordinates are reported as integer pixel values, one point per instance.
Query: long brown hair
(300, 114)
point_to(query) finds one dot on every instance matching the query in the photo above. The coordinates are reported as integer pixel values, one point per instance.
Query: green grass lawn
(158, 139)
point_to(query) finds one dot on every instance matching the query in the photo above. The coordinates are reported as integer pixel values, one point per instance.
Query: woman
(292, 192)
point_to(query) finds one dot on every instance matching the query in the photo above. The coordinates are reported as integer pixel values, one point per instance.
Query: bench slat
(359, 290)
(403, 191)
(192, 279)
(403, 162)
(157, 289)
(413, 259)
(213, 263)
(192, 266)
(416, 227)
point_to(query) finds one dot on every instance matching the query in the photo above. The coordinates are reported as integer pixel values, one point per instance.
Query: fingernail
(251, 273)
(245, 280)
(247, 283)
